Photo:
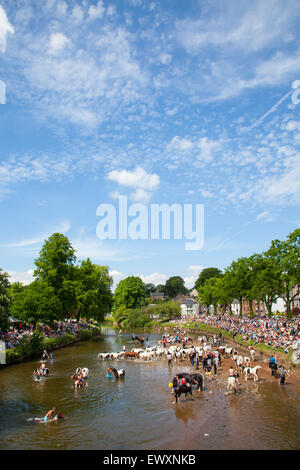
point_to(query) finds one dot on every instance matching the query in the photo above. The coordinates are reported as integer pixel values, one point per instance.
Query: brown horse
(131, 355)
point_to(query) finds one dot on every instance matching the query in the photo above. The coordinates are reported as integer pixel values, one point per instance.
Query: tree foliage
(5, 299)
(174, 286)
(206, 274)
(130, 293)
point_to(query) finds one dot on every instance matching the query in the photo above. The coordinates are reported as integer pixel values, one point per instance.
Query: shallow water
(138, 412)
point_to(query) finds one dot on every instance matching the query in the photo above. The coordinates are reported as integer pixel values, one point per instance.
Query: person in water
(48, 420)
(45, 355)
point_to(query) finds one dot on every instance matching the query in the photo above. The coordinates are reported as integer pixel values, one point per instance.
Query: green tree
(120, 314)
(130, 293)
(149, 288)
(37, 303)
(15, 288)
(5, 299)
(206, 274)
(167, 310)
(55, 265)
(174, 286)
(209, 293)
(286, 256)
(267, 284)
(94, 295)
(239, 280)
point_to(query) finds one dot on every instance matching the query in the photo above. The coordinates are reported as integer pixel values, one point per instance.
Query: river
(138, 412)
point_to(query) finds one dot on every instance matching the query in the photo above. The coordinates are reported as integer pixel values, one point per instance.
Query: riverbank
(37, 343)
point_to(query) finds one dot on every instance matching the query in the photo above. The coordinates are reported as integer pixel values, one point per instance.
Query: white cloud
(58, 41)
(189, 281)
(140, 195)
(244, 26)
(180, 144)
(24, 277)
(198, 268)
(64, 227)
(137, 178)
(5, 28)
(96, 11)
(293, 126)
(207, 148)
(154, 278)
(77, 14)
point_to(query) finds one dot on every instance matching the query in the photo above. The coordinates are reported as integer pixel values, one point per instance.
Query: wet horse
(193, 379)
(179, 389)
(117, 373)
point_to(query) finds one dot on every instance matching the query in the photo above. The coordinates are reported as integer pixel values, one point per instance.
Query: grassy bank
(33, 348)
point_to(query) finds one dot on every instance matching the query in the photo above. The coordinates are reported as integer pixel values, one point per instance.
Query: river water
(138, 412)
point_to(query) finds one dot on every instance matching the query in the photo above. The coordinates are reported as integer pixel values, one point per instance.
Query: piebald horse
(252, 371)
(193, 379)
(117, 373)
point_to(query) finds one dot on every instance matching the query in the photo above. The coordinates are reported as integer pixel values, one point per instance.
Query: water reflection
(137, 412)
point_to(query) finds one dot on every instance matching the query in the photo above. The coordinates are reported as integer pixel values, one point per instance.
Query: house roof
(189, 302)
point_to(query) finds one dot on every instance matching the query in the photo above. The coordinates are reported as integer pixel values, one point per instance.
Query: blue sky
(165, 102)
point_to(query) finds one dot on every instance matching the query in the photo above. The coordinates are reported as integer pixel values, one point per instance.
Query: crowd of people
(277, 332)
(19, 331)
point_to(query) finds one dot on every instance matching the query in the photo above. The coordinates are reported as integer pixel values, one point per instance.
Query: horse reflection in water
(186, 413)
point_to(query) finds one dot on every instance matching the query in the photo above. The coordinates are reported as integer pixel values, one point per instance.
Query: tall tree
(130, 292)
(5, 299)
(209, 293)
(55, 265)
(94, 295)
(286, 255)
(239, 279)
(206, 274)
(267, 285)
(174, 286)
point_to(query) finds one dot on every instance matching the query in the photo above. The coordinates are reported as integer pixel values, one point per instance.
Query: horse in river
(232, 385)
(131, 355)
(192, 379)
(140, 339)
(179, 389)
(252, 371)
(117, 373)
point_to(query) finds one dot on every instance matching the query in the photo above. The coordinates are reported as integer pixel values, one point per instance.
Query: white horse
(252, 354)
(239, 362)
(232, 385)
(252, 371)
